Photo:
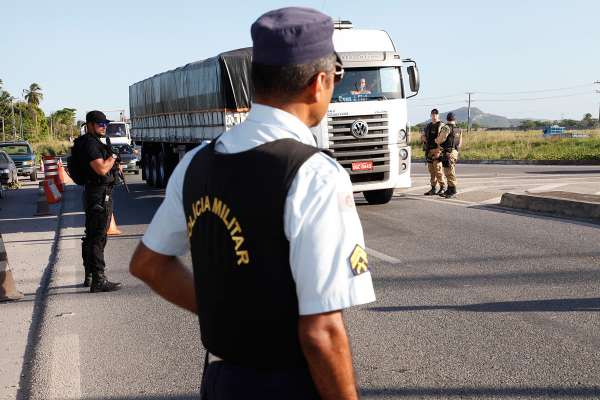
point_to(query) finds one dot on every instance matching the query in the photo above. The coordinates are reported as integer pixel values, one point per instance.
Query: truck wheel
(33, 176)
(381, 196)
(148, 169)
(144, 166)
(161, 171)
(154, 170)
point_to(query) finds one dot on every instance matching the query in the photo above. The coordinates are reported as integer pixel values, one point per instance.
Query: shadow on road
(568, 172)
(485, 280)
(591, 223)
(550, 305)
(484, 392)
(18, 209)
(191, 396)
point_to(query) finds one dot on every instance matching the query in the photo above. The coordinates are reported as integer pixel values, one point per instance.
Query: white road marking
(545, 188)
(26, 218)
(495, 200)
(382, 256)
(65, 376)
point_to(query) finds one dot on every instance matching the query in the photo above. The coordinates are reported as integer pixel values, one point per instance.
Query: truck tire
(143, 163)
(148, 169)
(161, 170)
(153, 170)
(381, 196)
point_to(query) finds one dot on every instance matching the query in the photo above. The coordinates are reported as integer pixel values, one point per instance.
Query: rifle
(117, 167)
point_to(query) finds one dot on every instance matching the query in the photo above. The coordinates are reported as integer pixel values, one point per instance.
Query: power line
(484, 100)
(540, 91)
(436, 104)
(440, 97)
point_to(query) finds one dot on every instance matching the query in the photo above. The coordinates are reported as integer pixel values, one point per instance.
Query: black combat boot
(450, 193)
(431, 192)
(87, 280)
(101, 284)
(442, 191)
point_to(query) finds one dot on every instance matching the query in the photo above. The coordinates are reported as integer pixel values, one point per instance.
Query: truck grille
(347, 148)
(18, 164)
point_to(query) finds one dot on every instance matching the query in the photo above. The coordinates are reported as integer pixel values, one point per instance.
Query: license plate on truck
(362, 166)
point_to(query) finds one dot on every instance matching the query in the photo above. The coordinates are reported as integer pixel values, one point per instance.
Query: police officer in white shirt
(276, 243)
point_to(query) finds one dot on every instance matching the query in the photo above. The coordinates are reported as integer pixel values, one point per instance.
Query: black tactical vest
(431, 133)
(453, 139)
(234, 206)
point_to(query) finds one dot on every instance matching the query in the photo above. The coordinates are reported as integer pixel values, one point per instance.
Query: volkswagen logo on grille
(359, 129)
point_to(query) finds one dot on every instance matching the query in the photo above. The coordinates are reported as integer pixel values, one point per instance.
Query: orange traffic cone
(61, 176)
(52, 193)
(112, 228)
(8, 289)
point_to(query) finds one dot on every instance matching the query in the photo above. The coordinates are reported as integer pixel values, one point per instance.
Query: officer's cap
(450, 117)
(97, 117)
(292, 35)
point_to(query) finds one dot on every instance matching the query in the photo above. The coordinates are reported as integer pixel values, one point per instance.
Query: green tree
(34, 95)
(587, 121)
(527, 125)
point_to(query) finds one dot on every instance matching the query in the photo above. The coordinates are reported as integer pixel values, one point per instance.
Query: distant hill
(483, 119)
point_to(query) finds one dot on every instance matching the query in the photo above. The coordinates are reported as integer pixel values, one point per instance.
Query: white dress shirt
(320, 218)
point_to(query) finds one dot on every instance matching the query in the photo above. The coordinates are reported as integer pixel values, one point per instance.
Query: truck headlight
(5, 171)
(27, 163)
(403, 154)
(402, 135)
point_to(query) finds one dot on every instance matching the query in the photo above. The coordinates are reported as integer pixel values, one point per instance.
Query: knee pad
(446, 162)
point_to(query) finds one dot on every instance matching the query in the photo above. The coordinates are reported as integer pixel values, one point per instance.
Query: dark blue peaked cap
(292, 35)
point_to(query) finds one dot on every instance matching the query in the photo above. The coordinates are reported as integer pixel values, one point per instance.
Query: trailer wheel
(144, 166)
(381, 196)
(161, 171)
(154, 170)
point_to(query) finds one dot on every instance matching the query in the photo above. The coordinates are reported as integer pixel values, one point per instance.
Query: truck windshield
(116, 130)
(16, 149)
(363, 84)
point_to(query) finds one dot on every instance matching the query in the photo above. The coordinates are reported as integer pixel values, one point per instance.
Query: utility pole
(469, 113)
(3, 135)
(21, 118)
(598, 91)
(14, 125)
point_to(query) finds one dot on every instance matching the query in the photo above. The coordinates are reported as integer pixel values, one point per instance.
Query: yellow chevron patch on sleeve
(359, 262)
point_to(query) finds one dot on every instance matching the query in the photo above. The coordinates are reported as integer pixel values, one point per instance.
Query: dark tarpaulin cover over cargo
(215, 84)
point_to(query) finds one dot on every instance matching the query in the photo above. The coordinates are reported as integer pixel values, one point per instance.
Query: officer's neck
(300, 110)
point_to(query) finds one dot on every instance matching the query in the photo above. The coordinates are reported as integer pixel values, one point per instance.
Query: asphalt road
(473, 302)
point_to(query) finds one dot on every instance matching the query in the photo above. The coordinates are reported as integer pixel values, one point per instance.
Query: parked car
(129, 157)
(8, 170)
(23, 156)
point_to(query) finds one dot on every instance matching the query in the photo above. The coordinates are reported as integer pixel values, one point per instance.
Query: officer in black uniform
(100, 163)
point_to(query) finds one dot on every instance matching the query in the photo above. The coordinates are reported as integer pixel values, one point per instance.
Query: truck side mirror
(413, 78)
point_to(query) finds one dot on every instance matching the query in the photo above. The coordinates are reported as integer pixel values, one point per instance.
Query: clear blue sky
(86, 54)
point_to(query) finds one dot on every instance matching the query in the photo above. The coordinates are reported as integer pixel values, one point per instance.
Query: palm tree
(34, 95)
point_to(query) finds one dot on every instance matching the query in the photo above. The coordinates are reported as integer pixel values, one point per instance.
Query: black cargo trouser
(224, 381)
(97, 202)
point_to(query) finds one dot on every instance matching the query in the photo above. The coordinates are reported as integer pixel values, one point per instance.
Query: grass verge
(522, 145)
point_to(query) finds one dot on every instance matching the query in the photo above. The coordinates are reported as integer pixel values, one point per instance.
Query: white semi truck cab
(367, 127)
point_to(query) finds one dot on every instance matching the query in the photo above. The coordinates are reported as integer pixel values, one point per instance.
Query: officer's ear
(320, 88)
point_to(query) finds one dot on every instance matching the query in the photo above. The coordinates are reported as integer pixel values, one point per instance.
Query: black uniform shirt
(93, 149)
